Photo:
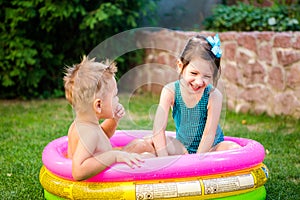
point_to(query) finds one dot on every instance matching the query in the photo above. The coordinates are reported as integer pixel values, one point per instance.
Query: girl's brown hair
(198, 46)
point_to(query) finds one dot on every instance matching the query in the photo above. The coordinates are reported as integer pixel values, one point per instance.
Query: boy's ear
(97, 105)
(179, 65)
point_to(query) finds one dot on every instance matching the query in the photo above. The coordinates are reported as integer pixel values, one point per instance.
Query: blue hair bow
(215, 43)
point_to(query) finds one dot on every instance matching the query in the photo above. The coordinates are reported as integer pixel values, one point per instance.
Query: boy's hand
(131, 159)
(119, 111)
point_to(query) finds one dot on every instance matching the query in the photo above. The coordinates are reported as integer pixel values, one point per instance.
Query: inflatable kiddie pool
(232, 174)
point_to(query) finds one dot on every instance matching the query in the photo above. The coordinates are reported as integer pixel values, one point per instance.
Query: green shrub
(39, 38)
(245, 17)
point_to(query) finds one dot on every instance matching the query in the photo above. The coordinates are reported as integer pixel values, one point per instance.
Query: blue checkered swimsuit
(190, 122)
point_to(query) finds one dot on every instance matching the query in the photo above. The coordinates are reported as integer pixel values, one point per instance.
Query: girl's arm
(85, 164)
(161, 120)
(213, 115)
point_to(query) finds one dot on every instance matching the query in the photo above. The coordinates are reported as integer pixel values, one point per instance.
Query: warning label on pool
(168, 190)
(233, 183)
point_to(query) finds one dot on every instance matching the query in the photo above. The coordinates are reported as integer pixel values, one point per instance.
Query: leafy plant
(245, 17)
(39, 38)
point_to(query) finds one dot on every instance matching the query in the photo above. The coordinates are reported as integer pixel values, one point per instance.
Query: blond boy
(91, 89)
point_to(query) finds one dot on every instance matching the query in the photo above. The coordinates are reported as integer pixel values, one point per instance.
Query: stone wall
(260, 70)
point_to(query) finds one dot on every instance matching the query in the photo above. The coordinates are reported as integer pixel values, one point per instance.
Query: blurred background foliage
(40, 37)
(279, 16)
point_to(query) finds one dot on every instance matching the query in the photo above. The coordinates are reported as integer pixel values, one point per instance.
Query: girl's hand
(131, 159)
(119, 111)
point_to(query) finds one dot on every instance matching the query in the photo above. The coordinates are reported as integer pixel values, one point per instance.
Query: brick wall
(260, 70)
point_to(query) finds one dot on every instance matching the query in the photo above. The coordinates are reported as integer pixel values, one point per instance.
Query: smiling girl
(195, 101)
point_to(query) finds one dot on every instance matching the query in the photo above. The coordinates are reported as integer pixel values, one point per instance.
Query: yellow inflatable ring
(258, 194)
(208, 187)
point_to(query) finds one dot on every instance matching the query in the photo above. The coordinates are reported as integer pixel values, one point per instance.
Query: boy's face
(110, 100)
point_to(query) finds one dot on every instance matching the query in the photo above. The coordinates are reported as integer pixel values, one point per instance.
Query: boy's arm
(161, 120)
(213, 116)
(109, 126)
(85, 164)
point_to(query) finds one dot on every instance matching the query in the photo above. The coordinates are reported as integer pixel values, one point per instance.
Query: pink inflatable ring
(250, 155)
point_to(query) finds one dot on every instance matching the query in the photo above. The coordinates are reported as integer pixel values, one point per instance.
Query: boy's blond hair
(83, 81)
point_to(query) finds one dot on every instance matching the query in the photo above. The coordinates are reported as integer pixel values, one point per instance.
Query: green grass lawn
(27, 126)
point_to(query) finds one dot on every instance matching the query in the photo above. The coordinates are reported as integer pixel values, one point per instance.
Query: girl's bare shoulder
(216, 94)
(215, 98)
(167, 94)
(170, 87)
